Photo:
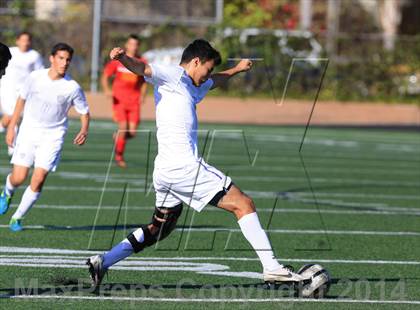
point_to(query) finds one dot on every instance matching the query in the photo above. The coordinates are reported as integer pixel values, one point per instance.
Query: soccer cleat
(96, 269)
(4, 202)
(282, 274)
(15, 224)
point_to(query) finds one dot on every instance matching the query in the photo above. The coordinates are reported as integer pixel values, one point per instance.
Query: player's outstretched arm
(81, 137)
(221, 78)
(132, 64)
(11, 132)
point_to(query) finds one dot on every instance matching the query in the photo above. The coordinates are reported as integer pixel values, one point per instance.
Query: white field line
(271, 231)
(374, 146)
(297, 169)
(311, 231)
(70, 188)
(67, 252)
(140, 182)
(328, 157)
(322, 147)
(107, 128)
(374, 167)
(272, 195)
(221, 300)
(277, 166)
(101, 127)
(139, 178)
(343, 204)
(254, 194)
(299, 195)
(407, 211)
(90, 175)
(360, 182)
(233, 134)
(361, 195)
(338, 170)
(237, 134)
(138, 265)
(378, 147)
(82, 265)
(119, 178)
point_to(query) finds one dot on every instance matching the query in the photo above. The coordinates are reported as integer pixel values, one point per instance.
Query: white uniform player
(20, 66)
(180, 175)
(4, 58)
(44, 124)
(24, 61)
(45, 99)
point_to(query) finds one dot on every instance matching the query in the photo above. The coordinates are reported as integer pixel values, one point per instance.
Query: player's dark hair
(62, 47)
(5, 56)
(24, 33)
(133, 36)
(203, 50)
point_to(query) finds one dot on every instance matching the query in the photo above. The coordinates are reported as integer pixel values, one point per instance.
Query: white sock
(121, 250)
(28, 199)
(256, 236)
(9, 189)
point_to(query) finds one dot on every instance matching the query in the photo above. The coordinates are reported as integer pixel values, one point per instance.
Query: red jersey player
(128, 92)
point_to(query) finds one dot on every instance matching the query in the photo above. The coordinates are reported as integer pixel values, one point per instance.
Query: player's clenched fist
(244, 65)
(116, 53)
(80, 138)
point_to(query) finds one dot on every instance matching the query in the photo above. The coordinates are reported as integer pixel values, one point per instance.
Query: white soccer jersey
(48, 101)
(20, 66)
(180, 175)
(176, 119)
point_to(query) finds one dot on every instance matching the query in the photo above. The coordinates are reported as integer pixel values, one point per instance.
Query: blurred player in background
(24, 61)
(128, 93)
(45, 99)
(4, 58)
(4, 61)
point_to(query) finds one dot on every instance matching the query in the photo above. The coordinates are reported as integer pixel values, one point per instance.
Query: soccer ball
(318, 283)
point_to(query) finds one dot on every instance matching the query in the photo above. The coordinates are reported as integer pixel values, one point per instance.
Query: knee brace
(164, 220)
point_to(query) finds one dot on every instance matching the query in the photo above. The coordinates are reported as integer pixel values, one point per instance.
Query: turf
(349, 200)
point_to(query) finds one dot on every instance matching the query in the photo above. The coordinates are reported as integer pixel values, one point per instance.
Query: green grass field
(362, 223)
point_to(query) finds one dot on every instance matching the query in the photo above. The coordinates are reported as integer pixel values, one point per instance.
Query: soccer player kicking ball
(128, 92)
(24, 61)
(45, 99)
(180, 175)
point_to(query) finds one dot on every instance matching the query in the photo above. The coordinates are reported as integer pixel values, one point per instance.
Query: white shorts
(38, 147)
(195, 185)
(8, 100)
